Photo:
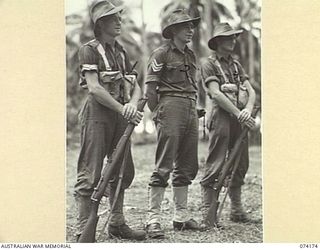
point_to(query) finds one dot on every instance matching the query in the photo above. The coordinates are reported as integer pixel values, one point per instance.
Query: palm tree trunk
(251, 54)
(144, 58)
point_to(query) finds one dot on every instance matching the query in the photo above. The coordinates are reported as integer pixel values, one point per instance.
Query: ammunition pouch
(237, 94)
(243, 96)
(119, 86)
(128, 86)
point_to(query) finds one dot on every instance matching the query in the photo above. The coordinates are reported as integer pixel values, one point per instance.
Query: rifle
(120, 178)
(233, 160)
(89, 232)
(234, 169)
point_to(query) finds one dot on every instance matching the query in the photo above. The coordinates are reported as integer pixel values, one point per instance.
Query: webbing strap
(217, 63)
(103, 54)
(235, 65)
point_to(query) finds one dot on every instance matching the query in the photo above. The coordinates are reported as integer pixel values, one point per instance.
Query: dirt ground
(136, 201)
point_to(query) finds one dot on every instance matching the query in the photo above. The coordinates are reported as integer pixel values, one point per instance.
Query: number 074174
(305, 245)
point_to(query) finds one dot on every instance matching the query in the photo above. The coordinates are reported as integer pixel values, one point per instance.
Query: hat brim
(166, 33)
(112, 12)
(212, 42)
(115, 10)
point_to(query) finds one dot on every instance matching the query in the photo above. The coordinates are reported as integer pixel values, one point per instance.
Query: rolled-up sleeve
(208, 73)
(88, 61)
(155, 67)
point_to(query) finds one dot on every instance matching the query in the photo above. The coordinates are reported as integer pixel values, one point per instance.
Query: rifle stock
(212, 218)
(88, 234)
(120, 178)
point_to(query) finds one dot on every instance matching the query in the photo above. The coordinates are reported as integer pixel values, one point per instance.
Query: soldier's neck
(105, 38)
(223, 53)
(179, 44)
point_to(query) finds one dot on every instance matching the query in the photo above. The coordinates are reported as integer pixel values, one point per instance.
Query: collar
(117, 45)
(174, 47)
(221, 57)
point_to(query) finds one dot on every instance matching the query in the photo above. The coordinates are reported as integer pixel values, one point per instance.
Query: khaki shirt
(174, 70)
(91, 60)
(210, 72)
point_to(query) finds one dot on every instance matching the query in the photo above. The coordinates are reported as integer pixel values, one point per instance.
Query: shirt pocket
(111, 81)
(175, 72)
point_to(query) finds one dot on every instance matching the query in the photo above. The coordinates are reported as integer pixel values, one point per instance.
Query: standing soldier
(172, 99)
(232, 99)
(105, 115)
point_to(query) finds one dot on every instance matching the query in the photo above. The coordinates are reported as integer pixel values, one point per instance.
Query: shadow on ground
(136, 201)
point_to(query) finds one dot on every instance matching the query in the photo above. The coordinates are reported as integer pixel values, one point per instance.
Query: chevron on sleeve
(156, 67)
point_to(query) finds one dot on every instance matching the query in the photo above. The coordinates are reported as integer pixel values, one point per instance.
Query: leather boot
(237, 213)
(154, 229)
(117, 226)
(84, 206)
(181, 220)
(207, 198)
(125, 232)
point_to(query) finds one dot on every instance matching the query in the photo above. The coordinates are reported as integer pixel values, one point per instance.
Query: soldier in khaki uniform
(172, 99)
(104, 64)
(225, 82)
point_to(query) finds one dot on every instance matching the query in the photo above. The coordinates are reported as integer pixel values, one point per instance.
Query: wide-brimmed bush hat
(176, 17)
(222, 29)
(102, 8)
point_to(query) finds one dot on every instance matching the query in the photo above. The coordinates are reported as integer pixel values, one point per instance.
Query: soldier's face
(111, 25)
(184, 32)
(227, 43)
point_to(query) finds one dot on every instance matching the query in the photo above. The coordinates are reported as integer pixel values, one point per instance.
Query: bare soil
(136, 201)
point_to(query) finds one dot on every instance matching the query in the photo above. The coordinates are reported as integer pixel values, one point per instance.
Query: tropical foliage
(139, 43)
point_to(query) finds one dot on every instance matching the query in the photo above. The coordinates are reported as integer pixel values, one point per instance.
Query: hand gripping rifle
(88, 234)
(230, 166)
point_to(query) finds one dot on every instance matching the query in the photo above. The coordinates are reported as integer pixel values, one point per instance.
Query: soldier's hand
(244, 115)
(129, 111)
(251, 123)
(137, 118)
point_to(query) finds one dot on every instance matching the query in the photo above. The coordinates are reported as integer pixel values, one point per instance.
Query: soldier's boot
(181, 220)
(153, 227)
(84, 207)
(237, 212)
(117, 226)
(207, 198)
